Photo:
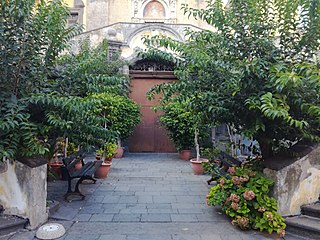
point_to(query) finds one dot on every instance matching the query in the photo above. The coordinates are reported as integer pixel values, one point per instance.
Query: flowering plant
(243, 195)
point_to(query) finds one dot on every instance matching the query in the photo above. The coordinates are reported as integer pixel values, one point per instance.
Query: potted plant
(103, 170)
(178, 122)
(106, 152)
(121, 115)
(110, 151)
(200, 126)
(196, 163)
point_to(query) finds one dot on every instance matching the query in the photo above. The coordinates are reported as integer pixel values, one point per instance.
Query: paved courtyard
(145, 197)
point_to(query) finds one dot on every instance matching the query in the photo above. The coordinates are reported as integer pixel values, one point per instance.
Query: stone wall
(97, 14)
(297, 184)
(23, 192)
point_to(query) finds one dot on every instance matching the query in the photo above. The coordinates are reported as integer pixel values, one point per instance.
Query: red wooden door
(149, 135)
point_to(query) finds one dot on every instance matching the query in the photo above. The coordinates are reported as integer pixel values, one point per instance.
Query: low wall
(23, 192)
(297, 184)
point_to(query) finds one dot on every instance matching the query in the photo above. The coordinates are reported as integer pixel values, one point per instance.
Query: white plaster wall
(297, 184)
(11, 196)
(23, 192)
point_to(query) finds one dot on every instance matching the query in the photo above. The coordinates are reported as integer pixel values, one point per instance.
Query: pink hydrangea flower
(249, 195)
(234, 198)
(235, 206)
(244, 179)
(243, 222)
(232, 170)
(236, 180)
(222, 182)
(281, 232)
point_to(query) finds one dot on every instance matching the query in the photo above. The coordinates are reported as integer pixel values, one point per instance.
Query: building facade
(101, 13)
(125, 22)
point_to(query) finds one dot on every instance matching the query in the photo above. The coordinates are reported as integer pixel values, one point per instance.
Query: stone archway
(149, 135)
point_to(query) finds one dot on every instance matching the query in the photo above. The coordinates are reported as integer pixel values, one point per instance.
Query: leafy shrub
(179, 123)
(243, 195)
(89, 72)
(42, 95)
(210, 153)
(33, 33)
(120, 113)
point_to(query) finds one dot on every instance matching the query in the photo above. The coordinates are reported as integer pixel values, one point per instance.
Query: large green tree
(43, 98)
(32, 36)
(256, 71)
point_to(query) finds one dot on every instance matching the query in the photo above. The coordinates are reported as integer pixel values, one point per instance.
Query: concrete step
(312, 210)
(305, 226)
(10, 224)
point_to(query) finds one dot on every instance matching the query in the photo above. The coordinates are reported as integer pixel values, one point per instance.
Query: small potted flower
(107, 152)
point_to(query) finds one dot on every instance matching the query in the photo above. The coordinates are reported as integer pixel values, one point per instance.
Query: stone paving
(145, 197)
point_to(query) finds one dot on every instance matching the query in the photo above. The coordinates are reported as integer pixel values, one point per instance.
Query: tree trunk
(266, 148)
(196, 135)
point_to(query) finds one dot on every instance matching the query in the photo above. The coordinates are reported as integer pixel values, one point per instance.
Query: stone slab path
(145, 197)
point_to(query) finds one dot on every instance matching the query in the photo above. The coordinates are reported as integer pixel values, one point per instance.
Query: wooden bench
(225, 161)
(86, 172)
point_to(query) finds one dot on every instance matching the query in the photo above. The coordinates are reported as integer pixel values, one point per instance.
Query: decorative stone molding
(114, 47)
(76, 13)
(139, 6)
(128, 35)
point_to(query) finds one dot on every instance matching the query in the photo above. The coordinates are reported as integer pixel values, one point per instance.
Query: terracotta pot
(102, 171)
(120, 151)
(56, 167)
(185, 155)
(108, 160)
(78, 166)
(197, 165)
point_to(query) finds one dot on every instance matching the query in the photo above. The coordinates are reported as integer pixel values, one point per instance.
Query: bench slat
(87, 170)
(229, 160)
(81, 172)
(226, 161)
